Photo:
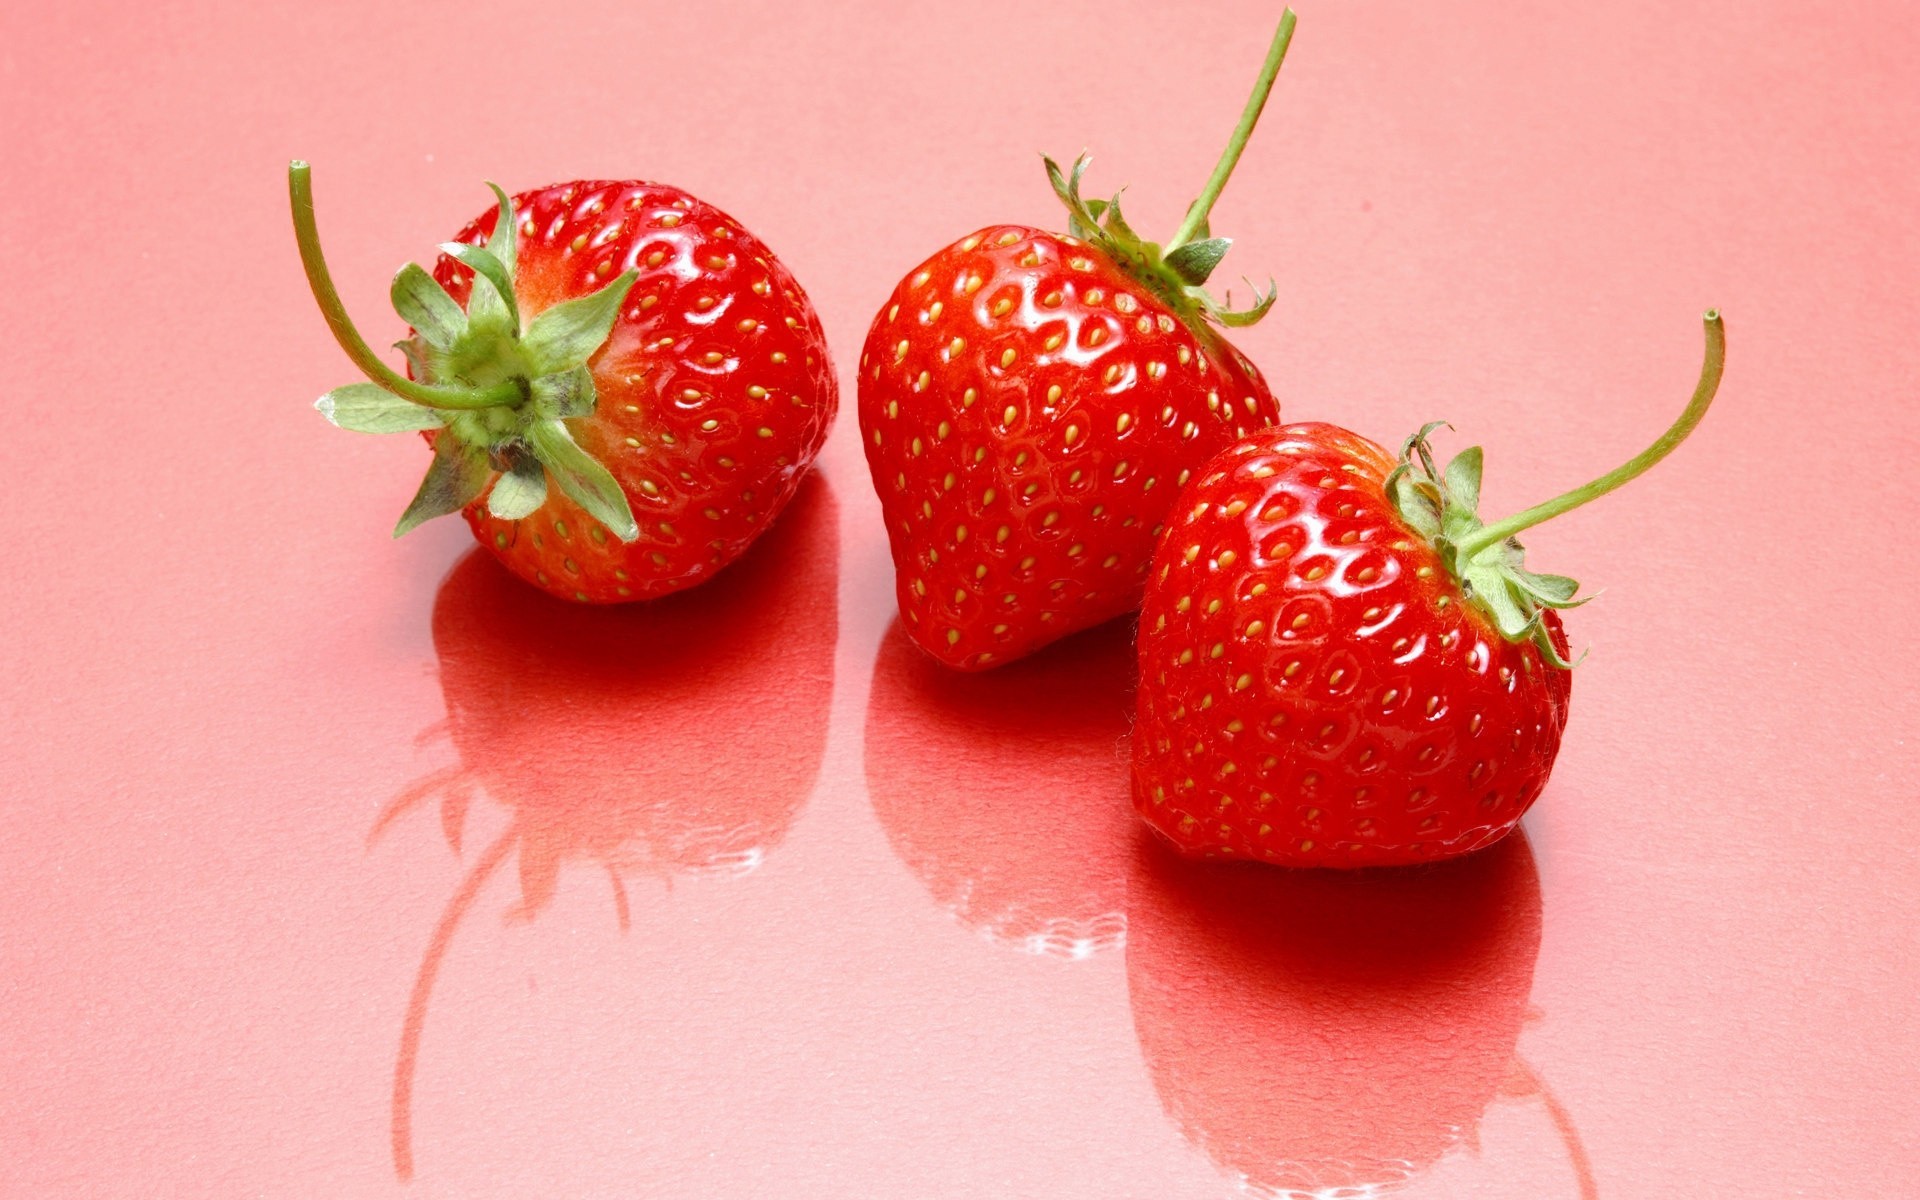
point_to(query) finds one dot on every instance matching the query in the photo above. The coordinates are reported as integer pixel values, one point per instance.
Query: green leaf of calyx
(1195, 261)
(1238, 318)
(459, 473)
(486, 266)
(520, 490)
(1416, 506)
(567, 335)
(504, 242)
(1083, 219)
(425, 305)
(370, 408)
(584, 480)
(565, 394)
(1463, 478)
(1489, 586)
(1116, 224)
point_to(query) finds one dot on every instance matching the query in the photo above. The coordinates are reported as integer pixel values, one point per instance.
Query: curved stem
(300, 192)
(1230, 157)
(1710, 370)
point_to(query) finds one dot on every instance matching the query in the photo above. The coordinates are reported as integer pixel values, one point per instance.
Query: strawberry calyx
(1440, 506)
(1487, 561)
(493, 390)
(1177, 272)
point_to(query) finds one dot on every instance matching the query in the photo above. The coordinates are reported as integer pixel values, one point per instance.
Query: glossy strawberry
(1340, 664)
(1030, 404)
(622, 385)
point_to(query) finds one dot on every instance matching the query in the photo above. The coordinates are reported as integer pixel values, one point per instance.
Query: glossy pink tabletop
(748, 899)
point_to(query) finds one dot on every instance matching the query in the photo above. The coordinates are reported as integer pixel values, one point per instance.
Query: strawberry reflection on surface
(1005, 792)
(675, 736)
(1333, 1033)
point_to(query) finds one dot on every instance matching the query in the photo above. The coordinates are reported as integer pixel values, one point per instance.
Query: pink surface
(775, 949)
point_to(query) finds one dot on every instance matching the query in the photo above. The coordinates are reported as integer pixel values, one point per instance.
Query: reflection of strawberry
(1000, 790)
(1315, 1030)
(679, 735)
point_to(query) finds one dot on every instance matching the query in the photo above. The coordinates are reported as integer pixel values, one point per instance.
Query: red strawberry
(1340, 664)
(625, 345)
(1324, 1033)
(676, 737)
(1031, 402)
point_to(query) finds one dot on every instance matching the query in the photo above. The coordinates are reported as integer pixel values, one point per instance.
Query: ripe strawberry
(1340, 664)
(624, 343)
(956, 763)
(547, 702)
(1321, 1033)
(1031, 402)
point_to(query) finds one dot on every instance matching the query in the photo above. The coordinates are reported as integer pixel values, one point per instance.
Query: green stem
(1710, 370)
(300, 191)
(1229, 158)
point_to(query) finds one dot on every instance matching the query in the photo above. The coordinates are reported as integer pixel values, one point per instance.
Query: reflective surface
(327, 857)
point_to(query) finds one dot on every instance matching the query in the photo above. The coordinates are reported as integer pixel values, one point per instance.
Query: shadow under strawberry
(1006, 792)
(1334, 1033)
(677, 736)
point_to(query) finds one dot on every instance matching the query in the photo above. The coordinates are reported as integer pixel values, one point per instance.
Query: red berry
(1340, 664)
(1031, 402)
(1030, 410)
(630, 444)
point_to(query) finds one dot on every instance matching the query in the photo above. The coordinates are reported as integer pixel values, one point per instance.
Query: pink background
(789, 968)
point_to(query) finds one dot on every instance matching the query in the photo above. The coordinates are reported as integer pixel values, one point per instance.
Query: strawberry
(724, 693)
(621, 385)
(1031, 402)
(1321, 1033)
(956, 762)
(1340, 664)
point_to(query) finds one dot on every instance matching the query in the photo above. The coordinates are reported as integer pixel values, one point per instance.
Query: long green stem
(1230, 157)
(1710, 370)
(300, 191)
